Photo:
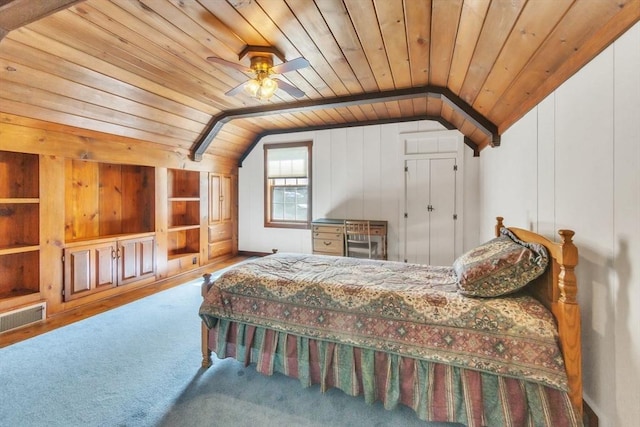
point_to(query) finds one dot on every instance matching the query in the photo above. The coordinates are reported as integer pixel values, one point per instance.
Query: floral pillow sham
(500, 266)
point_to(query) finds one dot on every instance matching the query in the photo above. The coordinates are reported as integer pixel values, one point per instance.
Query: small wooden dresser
(328, 236)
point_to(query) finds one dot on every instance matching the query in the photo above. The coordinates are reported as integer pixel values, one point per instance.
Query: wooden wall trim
(448, 97)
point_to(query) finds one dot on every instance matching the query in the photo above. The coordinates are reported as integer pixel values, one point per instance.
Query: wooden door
(430, 211)
(88, 269)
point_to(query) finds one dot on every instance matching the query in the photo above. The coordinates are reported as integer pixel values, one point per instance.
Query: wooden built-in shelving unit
(19, 225)
(86, 216)
(183, 237)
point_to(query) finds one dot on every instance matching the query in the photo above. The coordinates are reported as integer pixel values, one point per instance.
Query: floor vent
(23, 316)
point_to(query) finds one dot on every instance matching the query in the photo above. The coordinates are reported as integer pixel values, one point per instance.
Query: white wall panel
(546, 166)
(584, 203)
(509, 178)
(354, 172)
(339, 190)
(357, 173)
(587, 144)
(626, 210)
(321, 191)
(392, 186)
(371, 161)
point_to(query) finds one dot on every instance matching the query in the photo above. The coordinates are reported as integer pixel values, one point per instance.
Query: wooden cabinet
(328, 239)
(19, 226)
(101, 265)
(183, 237)
(222, 233)
(109, 226)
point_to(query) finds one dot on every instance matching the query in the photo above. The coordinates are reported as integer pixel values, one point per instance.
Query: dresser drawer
(327, 236)
(334, 229)
(328, 246)
(377, 231)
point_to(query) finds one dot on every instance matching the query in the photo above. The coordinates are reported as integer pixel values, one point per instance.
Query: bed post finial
(206, 284)
(567, 314)
(567, 279)
(499, 225)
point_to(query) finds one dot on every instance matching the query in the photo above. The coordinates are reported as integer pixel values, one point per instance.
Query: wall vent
(23, 316)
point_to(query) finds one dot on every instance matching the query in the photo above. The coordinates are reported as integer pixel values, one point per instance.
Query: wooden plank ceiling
(138, 68)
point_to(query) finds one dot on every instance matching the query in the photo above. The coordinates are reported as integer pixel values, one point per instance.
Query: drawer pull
(327, 243)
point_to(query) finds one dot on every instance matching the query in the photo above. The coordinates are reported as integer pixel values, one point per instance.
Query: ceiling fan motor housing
(261, 63)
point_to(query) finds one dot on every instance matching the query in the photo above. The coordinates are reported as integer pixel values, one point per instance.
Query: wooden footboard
(557, 289)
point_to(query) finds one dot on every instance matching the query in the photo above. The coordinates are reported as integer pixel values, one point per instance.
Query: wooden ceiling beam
(16, 13)
(438, 119)
(218, 122)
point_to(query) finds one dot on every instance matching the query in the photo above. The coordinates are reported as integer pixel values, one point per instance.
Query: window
(288, 185)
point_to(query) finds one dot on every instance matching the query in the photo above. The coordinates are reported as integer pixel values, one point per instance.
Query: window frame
(268, 188)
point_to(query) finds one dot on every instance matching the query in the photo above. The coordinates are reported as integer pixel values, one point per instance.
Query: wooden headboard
(557, 289)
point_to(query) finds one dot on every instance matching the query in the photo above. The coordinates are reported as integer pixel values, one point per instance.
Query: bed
(492, 340)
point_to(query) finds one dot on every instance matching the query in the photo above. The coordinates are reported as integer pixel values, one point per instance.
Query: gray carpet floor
(139, 365)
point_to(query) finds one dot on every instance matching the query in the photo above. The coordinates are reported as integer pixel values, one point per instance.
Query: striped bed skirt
(435, 391)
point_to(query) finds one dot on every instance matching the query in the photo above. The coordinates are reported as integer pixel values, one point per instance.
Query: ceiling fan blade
(229, 64)
(291, 90)
(294, 64)
(236, 90)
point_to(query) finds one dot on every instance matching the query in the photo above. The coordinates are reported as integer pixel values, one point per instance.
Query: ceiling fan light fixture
(262, 86)
(252, 87)
(268, 87)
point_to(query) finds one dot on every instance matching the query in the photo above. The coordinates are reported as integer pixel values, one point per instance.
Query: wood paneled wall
(114, 208)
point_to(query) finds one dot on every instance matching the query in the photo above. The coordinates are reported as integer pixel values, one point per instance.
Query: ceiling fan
(262, 85)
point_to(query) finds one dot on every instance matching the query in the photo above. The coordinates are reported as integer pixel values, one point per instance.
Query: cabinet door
(220, 198)
(215, 196)
(222, 228)
(226, 199)
(88, 269)
(135, 259)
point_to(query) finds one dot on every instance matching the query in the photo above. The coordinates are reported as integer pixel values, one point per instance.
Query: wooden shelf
(184, 227)
(184, 199)
(17, 293)
(18, 249)
(20, 200)
(186, 253)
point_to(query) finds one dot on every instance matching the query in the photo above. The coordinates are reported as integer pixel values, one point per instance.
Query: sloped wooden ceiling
(138, 68)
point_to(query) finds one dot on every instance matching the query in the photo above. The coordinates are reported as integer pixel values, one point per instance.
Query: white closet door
(430, 189)
(417, 219)
(443, 208)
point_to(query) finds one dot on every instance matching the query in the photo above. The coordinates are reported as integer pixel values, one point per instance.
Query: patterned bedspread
(407, 309)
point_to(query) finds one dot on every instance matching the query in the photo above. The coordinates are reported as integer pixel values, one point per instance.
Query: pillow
(500, 266)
